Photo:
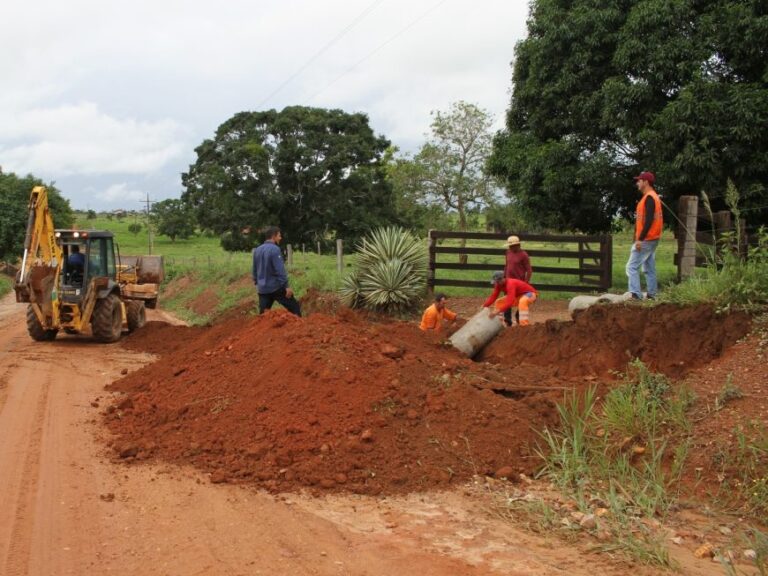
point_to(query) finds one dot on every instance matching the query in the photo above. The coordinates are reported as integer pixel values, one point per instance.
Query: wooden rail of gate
(594, 270)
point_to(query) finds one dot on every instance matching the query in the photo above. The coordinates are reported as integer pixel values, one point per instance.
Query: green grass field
(665, 268)
(202, 258)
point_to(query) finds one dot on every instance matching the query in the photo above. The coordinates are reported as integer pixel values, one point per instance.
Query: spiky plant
(350, 292)
(390, 274)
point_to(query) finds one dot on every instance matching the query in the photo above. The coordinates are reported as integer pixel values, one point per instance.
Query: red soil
(334, 402)
(345, 403)
(668, 338)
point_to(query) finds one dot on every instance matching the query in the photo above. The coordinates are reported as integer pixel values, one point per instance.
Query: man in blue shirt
(75, 264)
(270, 276)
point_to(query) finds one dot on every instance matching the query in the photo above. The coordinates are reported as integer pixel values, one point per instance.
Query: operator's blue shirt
(269, 273)
(76, 259)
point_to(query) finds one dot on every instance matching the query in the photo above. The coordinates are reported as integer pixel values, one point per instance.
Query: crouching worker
(519, 294)
(437, 313)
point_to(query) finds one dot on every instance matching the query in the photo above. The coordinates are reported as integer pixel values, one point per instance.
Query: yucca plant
(350, 292)
(390, 273)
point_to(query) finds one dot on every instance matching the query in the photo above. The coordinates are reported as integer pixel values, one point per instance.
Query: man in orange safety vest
(648, 225)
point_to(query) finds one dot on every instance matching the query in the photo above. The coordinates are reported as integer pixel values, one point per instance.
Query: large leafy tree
(603, 89)
(448, 172)
(314, 172)
(173, 218)
(14, 210)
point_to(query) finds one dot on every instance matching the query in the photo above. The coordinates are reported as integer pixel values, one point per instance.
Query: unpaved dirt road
(67, 508)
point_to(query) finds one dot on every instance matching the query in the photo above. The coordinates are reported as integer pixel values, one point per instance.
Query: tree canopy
(448, 172)
(173, 218)
(14, 210)
(603, 90)
(314, 172)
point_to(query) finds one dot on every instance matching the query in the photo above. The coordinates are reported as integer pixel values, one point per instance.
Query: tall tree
(448, 171)
(602, 90)
(173, 218)
(314, 172)
(14, 209)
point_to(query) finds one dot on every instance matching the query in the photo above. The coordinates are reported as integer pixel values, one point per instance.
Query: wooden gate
(555, 259)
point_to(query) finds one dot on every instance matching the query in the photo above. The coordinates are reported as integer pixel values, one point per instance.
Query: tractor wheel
(137, 315)
(152, 303)
(107, 321)
(36, 330)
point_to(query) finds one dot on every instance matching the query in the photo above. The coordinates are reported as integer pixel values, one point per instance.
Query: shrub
(390, 273)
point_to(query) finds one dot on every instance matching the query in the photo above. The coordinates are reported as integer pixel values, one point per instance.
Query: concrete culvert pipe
(476, 333)
(579, 303)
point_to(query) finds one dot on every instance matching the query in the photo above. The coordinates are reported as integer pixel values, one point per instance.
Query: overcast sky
(109, 100)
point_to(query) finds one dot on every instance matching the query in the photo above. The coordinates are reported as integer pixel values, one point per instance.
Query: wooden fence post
(722, 222)
(688, 211)
(289, 255)
(431, 266)
(339, 255)
(606, 261)
(318, 247)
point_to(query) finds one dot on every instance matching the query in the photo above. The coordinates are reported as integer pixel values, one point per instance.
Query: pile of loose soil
(161, 338)
(669, 339)
(327, 402)
(349, 403)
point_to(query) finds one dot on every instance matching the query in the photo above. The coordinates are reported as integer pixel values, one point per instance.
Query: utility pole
(148, 202)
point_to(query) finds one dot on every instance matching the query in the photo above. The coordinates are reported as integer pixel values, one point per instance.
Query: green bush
(238, 242)
(390, 273)
(729, 282)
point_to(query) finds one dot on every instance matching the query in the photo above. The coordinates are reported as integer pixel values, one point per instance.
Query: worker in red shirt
(518, 266)
(518, 294)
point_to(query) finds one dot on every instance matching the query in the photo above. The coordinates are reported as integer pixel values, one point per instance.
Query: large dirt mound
(329, 402)
(346, 403)
(668, 338)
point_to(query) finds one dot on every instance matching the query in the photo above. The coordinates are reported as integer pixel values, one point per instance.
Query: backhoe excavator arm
(38, 279)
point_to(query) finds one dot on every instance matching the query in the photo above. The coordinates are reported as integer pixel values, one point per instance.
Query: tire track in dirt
(10, 312)
(19, 502)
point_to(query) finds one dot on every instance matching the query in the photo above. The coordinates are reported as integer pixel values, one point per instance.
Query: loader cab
(86, 254)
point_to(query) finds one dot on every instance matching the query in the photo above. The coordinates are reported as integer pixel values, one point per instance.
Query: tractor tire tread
(136, 314)
(107, 321)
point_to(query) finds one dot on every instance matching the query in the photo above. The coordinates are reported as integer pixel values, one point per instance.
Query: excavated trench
(668, 338)
(340, 402)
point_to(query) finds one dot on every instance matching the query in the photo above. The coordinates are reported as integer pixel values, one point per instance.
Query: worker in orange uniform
(437, 313)
(518, 294)
(648, 225)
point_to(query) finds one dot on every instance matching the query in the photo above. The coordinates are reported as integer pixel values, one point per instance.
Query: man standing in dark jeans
(270, 276)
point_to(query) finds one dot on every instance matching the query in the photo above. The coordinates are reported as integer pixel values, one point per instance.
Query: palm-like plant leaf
(350, 292)
(391, 243)
(391, 286)
(391, 272)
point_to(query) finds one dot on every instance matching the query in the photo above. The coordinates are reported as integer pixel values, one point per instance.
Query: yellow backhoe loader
(72, 280)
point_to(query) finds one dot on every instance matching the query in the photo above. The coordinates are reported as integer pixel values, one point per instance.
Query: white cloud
(121, 194)
(81, 139)
(125, 91)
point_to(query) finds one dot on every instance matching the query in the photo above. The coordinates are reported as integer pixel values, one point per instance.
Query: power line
(322, 51)
(375, 50)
